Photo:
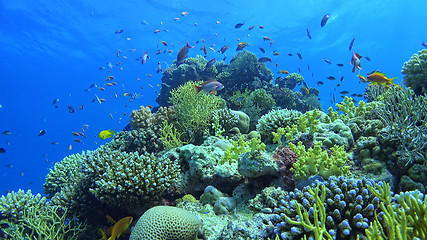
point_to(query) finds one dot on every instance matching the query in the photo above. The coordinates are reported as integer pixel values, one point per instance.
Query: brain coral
(275, 119)
(166, 223)
(415, 72)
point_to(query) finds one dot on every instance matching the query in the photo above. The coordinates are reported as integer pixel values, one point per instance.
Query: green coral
(415, 71)
(315, 161)
(349, 110)
(170, 136)
(277, 136)
(318, 227)
(402, 218)
(237, 148)
(310, 121)
(29, 216)
(193, 110)
(224, 119)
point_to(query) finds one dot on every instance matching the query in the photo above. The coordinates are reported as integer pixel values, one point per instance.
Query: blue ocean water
(53, 50)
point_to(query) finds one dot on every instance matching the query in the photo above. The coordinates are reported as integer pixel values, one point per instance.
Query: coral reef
(227, 119)
(415, 71)
(285, 159)
(27, 216)
(166, 222)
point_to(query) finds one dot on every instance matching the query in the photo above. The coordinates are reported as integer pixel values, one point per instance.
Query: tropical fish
(6, 133)
(379, 78)
(210, 63)
(75, 134)
(209, 86)
(326, 60)
(362, 78)
(182, 54)
(351, 44)
(184, 13)
(324, 20)
(144, 57)
(71, 109)
(97, 99)
(119, 31)
(55, 101)
(342, 78)
(340, 65)
(299, 55)
(106, 134)
(276, 53)
(164, 43)
(368, 58)
(319, 83)
(42, 132)
(283, 71)
(118, 228)
(238, 25)
(355, 61)
(264, 59)
(261, 26)
(223, 49)
(266, 39)
(308, 34)
(159, 67)
(251, 27)
(345, 92)
(241, 45)
(157, 30)
(331, 78)
(262, 50)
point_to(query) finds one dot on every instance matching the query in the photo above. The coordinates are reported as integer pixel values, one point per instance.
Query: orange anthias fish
(117, 229)
(362, 78)
(209, 86)
(379, 78)
(241, 45)
(182, 54)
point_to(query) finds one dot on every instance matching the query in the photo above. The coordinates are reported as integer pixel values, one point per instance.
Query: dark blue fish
(340, 65)
(299, 55)
(71, 109)
(308, 34)
(368, 58)
(238, 25)
(326, 60)
(351, 44)
(324, 20)
(42, 132)
(264, 59)
(423, 44)
(210, 63)
(262, 50)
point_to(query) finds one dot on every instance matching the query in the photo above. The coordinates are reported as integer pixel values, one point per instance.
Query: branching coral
(275, 119)
(403, 216)
(170, 137)
(240, 147)
(193, 110)
(315, 161)
(405, 115)
(30, 216)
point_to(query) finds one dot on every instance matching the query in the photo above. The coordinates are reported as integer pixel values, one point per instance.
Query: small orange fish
(125, 57)
(203, 40)
(212, 49)
(77, 140)
(121, 68)
(117, 64)
(149, 106)
(251, 27)
(217, 22)
(283, 71)
(276, 53)
(149, 75)
(138, 79)
(115, 94)
(124, 95)
(362, 78)
(176, 19)
(261, 26)
(82, 134)
(70, 147)
(241, 45)
(156, 31)
(102, 99)
(109, 78)
(114, 83)
(164, 43)
(75, 134)
(101, 88)
(184, 13)
(170, 51)
(108, 84)
(266, 39)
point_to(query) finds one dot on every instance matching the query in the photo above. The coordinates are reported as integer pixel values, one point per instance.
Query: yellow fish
(117, 229)
(106, 134)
